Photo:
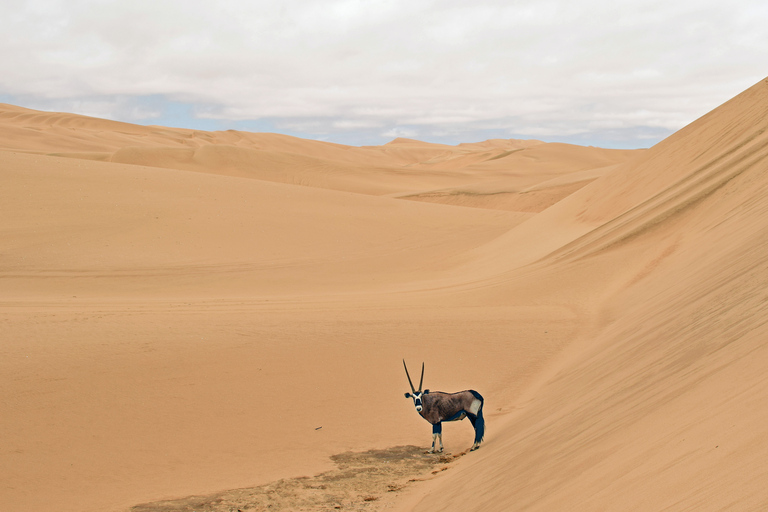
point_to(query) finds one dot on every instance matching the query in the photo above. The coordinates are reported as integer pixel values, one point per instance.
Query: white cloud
(521, 68)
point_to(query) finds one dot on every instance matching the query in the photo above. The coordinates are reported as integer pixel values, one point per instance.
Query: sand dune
(401, 167)
(186, 313)
(659, 407)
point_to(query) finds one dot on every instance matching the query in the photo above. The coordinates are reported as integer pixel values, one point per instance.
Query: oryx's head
(416, 395)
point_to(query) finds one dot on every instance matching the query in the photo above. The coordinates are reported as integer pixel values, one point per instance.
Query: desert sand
(195, 318)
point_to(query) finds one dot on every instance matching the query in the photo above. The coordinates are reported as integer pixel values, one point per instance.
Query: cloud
(341, 68)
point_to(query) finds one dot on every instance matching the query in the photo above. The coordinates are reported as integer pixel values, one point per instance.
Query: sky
(615, 74)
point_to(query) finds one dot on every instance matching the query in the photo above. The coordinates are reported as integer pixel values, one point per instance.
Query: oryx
(436, 407)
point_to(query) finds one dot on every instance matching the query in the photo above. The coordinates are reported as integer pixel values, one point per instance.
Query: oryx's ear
(425, 392)
(407, 395)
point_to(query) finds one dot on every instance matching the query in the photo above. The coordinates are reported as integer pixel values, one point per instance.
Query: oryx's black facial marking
(418, 401)
(438, 407)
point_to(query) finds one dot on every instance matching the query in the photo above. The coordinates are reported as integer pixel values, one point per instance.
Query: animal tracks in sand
(360, 480)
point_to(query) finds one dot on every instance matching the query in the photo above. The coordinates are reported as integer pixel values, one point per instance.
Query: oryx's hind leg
(437, 435)
(478, 422)
(473, 420)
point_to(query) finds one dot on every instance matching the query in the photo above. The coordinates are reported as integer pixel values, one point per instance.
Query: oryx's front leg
(437, 435)
(437, 438)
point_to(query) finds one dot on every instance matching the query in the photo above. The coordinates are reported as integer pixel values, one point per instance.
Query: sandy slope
(187, 312)
(663, 408)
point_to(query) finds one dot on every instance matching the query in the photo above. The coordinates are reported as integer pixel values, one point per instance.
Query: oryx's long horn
(422, 377)
(409, 377)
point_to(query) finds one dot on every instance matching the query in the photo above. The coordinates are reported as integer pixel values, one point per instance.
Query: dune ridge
(397, 168)
(185, 313)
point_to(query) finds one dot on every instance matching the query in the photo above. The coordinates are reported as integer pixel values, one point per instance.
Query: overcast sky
(606, 73)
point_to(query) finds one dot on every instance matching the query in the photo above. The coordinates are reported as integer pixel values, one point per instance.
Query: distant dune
(185, 313)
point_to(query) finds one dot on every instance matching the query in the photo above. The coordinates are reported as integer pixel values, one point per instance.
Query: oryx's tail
(477, 419)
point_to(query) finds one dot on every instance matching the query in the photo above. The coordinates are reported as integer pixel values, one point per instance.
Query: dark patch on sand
(358, 483)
